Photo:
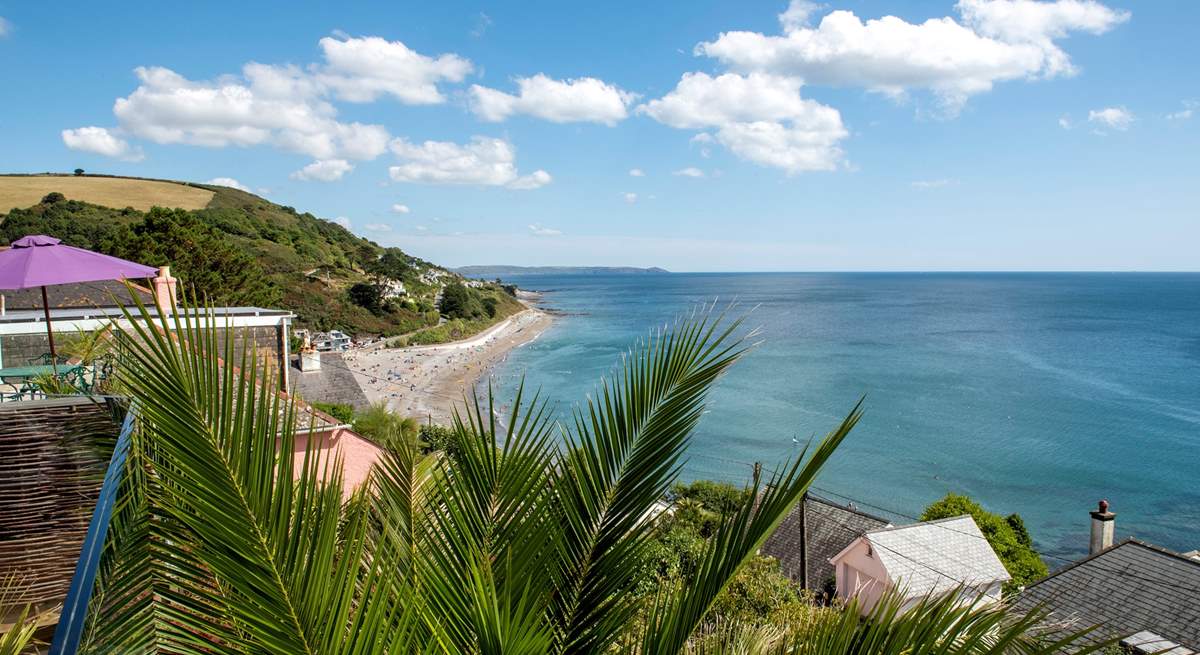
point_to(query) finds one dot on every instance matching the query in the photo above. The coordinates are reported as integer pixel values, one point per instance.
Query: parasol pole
(49, 331)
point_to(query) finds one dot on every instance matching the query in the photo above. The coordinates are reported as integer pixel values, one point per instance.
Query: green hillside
(244, 250)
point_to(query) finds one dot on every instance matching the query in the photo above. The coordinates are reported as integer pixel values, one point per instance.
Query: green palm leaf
(624, 455)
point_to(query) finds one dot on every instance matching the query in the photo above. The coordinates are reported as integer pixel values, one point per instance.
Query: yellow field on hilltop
(26, 191)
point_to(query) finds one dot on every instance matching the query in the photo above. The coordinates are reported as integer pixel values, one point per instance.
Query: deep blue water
(1033, 393)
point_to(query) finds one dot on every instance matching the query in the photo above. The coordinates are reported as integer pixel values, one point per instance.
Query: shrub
(458, 302)
(719, 497)
(1006, 535)
(368, 296)
(52, 198)
(386, 428)
(340, 411)
(438, 438)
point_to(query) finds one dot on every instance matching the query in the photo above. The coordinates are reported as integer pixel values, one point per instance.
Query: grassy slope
(313, 261)
(27, 190)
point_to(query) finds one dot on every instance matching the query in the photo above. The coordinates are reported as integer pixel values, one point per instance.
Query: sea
(1033, 393)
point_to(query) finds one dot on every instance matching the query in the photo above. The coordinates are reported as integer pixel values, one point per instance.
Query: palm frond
(677, 616)
(622, 457)
(274, 560)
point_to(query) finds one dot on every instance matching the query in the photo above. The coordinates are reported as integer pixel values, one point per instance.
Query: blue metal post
(69, 631)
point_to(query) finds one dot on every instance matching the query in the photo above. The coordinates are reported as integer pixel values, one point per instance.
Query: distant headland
(504, 271)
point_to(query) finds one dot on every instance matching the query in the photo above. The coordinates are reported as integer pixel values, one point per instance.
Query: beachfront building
(918, 561)
(1145, 593)
(332, 341)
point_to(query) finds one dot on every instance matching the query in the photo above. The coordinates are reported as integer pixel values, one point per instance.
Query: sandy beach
(426, 382)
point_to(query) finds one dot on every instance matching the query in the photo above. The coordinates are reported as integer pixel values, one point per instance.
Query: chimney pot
(1103, 523)
(165, 289)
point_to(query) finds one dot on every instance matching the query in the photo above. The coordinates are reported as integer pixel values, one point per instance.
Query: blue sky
(853, 135)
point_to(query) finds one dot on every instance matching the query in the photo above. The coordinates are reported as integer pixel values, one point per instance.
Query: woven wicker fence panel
(52, 463)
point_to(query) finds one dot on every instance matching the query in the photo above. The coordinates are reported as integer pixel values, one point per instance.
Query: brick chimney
(1103, 522)
(164, 287)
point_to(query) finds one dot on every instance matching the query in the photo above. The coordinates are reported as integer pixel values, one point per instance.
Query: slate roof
(334, 382)
(937, 556)
(1129, 588)
(828, 527)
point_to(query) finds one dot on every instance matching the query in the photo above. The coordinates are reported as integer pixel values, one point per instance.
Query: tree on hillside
(77, 224)
(368, 296)
(392, 265)
(1006, 535)
(458, 302)
(200, 256)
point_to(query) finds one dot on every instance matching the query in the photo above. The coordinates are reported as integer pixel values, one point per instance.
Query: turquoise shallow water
(1034, 393)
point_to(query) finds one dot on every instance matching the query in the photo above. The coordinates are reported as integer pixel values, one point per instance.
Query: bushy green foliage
(367, 295)
(1007, 536)
(340, 411)
(392, 264)
(719, 497)
(207, 262)
(458, 302)
(438, 438)
(387, 428)
(760, 594)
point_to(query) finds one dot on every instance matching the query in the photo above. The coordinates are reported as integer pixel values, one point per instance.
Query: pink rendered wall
(358, 455)
(872, 578)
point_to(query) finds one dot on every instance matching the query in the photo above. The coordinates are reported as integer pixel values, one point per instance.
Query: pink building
(920, 560)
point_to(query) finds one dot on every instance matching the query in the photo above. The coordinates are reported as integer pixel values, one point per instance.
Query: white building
(393, 289)
(333, 340)
(920, 560)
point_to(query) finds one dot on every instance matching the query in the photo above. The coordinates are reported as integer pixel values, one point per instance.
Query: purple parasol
(40, 261)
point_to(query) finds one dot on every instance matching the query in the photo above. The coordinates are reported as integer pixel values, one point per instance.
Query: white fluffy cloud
(690, 171)
(585, 99)
(925, 185)
(996, 40)
(343, 221)
(1117, 118)
(5, 27)
(540, 230)
(363, 69)
(797, 14)
(379, 227)
(400, 209)
(483, 161)
(101, 141)
(630, 197)
(759, 116)
(270, 105)
(229, 182)
(636, 172)
(289, 107)
(324, 170)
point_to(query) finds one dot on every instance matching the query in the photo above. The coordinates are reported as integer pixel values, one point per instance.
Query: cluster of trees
(459, 301)
(197, 252)
(1006, 535)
